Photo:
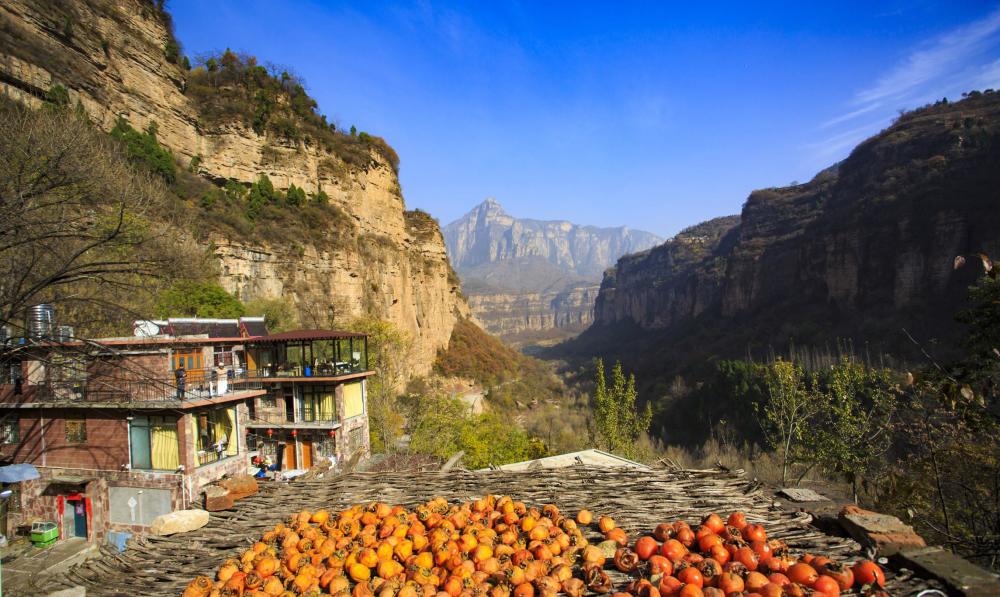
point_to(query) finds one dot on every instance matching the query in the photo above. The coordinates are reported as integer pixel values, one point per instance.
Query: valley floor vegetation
(918, 443)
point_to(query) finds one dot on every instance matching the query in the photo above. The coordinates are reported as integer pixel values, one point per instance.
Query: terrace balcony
(306, 354)
(302, 419)
(199, 386)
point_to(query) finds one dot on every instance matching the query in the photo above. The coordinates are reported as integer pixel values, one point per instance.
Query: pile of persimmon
(499, 547)
(734, 557)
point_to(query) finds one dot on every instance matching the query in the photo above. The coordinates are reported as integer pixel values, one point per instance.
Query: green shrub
(444, 426)
(57, 96)
(143, 148)
(197, 299)
(295, 196)
(172, 51)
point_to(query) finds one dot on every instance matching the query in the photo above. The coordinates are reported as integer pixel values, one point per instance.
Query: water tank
(64, 333)
(40, 321)
(6, 332)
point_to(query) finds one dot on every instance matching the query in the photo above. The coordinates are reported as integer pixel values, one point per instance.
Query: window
(10, 431)
(216, 431)
(14, 501)
(356, 441)
(252, 409)
(319, 403)
(153, 441)
(76, 429)
(223, 356)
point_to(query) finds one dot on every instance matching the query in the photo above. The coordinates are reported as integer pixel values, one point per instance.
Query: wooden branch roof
(637, 499)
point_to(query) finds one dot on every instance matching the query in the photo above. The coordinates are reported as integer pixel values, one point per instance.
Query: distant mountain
(532, 275)
(488, 235)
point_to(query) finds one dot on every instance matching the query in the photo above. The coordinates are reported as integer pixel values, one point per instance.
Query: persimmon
(669, 586)
(737, 520)
(827, 586)
(673, 550)
(802, 573)
(755, 581)
(663, 531)
(868, 572)
(690, 591)
(731, 583)
(691, 576)
(713, 522)
(645, 547)
(660, 565)
(840, 573)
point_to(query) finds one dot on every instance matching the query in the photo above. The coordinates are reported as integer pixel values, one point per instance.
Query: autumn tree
(785, 415)
(390, 352)
(279, 314)
(444, 426)
(850, 432)
(617, 416)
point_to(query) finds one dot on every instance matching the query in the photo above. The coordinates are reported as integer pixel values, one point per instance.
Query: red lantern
(333, 432)
(295, 432)
(270, 432)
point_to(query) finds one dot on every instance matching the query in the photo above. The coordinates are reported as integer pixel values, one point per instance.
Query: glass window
(216, 431)
(76, 429)
(10, 431)
(319, 403)
(14, 501)
(153, 442)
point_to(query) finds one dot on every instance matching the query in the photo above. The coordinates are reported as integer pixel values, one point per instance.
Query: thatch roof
(637, 499)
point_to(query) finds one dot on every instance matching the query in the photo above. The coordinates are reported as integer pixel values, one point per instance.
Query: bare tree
(80, 226)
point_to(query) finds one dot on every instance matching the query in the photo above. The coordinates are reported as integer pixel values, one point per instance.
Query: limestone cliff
(536, 317)
(862, 251)
(531, 280)
(111, 58)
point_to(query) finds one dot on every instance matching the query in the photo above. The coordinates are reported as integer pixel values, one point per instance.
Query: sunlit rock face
(111, 60)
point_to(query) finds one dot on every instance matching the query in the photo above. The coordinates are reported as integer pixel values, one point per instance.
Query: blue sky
(654, 115)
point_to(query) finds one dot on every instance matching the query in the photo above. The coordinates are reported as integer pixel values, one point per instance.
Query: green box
(44, 533)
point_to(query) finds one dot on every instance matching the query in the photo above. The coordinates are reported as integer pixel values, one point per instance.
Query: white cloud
(959, 60)
(925, 66)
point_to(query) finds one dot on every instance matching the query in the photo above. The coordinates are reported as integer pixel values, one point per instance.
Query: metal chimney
(40, 321)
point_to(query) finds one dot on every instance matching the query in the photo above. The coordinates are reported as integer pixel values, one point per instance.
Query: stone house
(119, 435)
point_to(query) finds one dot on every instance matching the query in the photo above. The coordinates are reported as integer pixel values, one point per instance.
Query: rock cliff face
(862, 251)
(110, 57)
(536, 317)
(530, 280)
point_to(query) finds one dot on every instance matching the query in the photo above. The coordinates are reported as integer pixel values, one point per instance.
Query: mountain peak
(487, 235)
(489, 207)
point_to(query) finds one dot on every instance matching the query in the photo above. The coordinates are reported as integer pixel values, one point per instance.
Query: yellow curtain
(326, 407)
(164, 449)
(232, 447)
(219, 423)
(353, 401)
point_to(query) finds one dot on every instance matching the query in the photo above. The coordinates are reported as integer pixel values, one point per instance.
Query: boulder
(240, 487)
(882, 532)
(217, 498)
(179, 521)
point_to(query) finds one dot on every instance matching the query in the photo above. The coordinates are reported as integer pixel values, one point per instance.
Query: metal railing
(300, 370)
(306, 416)
(197, 385)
